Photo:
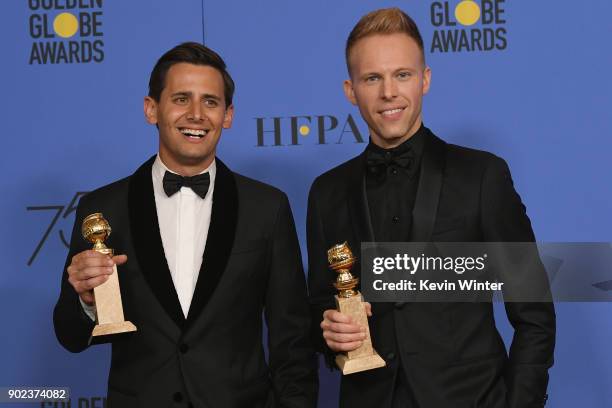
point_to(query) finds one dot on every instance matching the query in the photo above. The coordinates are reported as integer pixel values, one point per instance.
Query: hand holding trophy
(109, 309)
(350, 302)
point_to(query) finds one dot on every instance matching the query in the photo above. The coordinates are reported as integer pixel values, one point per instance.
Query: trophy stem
(109, 308)
(103, 249)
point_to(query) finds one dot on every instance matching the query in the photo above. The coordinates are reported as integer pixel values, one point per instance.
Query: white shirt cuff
(89, 310)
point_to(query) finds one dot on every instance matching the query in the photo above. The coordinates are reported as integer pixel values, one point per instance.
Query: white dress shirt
(183, 220)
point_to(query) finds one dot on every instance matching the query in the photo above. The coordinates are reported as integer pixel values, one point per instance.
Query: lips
(194, 133)
(392, 112)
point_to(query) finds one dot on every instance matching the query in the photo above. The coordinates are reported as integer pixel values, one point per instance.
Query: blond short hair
(383, 21)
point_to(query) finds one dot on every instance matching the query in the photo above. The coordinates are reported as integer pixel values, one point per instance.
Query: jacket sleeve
(292, 359)
(504, 219)
(72, 325)
(320, 278)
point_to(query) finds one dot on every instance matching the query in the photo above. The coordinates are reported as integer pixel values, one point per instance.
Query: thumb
(368, 308)
(119, 259)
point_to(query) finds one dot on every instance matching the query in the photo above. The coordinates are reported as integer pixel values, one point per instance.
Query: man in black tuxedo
(409, 185)
(205, 252)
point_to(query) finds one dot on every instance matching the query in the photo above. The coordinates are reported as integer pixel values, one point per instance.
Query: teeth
(392, 111)
(194, 132)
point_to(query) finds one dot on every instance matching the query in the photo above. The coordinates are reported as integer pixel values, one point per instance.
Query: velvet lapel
(358, 202)
(220, 239)
(430, 184)
(148, 244)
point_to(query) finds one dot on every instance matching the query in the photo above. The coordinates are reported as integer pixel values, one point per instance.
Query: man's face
(190, 114)
(388, 81)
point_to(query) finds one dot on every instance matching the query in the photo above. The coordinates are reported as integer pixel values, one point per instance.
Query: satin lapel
(148, 244)
(220, 240)
(358, 203)
(430, 184)
(361, 220)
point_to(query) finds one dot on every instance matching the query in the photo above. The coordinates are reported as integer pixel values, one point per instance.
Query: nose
(389, 88)
(195, 111)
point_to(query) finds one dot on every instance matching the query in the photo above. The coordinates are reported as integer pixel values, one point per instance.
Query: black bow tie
(378, 161)
(199, 184)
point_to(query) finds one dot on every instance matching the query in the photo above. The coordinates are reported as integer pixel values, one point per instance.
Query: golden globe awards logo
(66, 31)
(468, 26)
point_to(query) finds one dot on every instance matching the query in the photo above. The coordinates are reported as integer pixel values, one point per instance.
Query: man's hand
(340, 332)
(90, 269)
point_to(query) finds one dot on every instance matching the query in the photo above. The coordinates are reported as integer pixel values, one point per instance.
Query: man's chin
(391, 139)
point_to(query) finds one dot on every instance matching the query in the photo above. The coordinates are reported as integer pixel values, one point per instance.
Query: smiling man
(204, 253)
(409, 185)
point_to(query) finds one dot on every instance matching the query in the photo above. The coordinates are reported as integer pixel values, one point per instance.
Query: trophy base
(354, 365)
(113, 328)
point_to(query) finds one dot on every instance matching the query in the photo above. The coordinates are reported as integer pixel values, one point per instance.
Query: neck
(186, 169)
(391, 143)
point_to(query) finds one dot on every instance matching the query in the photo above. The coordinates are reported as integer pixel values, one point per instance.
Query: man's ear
(426, 80)
(228, 117)
(150, 110)
(349, 91)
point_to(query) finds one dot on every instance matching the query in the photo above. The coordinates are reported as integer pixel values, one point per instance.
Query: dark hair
(191, 53)
(384, 21)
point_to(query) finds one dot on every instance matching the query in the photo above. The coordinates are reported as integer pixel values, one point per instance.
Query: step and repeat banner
(528, 81)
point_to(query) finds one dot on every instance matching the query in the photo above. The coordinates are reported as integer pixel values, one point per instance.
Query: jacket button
(395, 219)
(177, 397)
(183, 348)
(391, 356)
(399, 305)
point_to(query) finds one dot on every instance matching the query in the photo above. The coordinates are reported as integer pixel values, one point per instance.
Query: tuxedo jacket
(452, 353)
(215, 357)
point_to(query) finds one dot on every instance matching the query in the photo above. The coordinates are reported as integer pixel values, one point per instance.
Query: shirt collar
(159, 169)
(415, 142)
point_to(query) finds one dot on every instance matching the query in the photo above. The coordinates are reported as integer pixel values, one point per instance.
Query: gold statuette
(350, 302)
(109, 308)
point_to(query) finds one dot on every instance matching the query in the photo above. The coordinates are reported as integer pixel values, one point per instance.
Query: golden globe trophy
(350, 302)
(109, 309)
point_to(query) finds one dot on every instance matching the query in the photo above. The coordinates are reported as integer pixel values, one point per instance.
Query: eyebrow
(187, 93)
(406, 68)
(211, 96)
(368, 74)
